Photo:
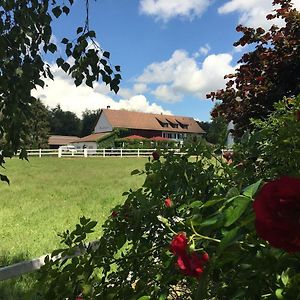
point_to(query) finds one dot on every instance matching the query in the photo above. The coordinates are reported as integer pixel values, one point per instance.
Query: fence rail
(120, 152)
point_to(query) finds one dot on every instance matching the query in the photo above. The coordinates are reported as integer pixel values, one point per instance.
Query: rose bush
(151, 251)
(277, 210)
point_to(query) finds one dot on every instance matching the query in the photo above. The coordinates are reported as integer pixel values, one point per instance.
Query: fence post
(85, 152)
(40, 152)
(121, 152)
(59, 152)
(138, 152)
(103, 152)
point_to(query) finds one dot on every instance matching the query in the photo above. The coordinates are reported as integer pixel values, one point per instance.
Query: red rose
(190, 264)
(155, 155)
(114, 214)
(168, 202)
(179, 244)
(228, 155)
(277, 209)
(205, 257)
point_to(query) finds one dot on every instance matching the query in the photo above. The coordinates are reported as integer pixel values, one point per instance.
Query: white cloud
(182, 75)
(204, 50)
(139, 103)
(167, 9)
(138, 88)
(166, 93)
(62, 91)
(252, 12)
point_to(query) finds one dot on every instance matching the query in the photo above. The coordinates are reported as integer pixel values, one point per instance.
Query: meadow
(49, 195)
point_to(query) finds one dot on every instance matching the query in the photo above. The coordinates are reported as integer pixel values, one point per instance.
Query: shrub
(190, 232)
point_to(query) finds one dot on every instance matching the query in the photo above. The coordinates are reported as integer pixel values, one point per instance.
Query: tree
(64, 122)
(89, 119)
(217, 132)
(266, 74)
(25, 35)
(36, 129)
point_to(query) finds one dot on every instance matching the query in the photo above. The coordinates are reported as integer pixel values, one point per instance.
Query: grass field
(48, 195)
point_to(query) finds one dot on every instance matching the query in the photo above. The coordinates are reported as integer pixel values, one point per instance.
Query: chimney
(108, 107)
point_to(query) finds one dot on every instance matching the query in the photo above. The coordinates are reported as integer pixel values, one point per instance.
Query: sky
(171, 52)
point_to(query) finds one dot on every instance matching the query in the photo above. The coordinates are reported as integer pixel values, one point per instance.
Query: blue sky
(171, 52)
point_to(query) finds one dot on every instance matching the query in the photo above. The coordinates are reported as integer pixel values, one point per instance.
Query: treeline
(47, 121)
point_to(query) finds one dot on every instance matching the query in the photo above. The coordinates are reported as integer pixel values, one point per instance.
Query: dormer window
(173, 124)
(164, 125)
(183, 125)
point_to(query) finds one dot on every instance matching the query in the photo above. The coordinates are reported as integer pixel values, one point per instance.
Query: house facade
(147, 125)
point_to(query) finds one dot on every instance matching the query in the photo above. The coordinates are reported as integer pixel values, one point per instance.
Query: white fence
(93, 152)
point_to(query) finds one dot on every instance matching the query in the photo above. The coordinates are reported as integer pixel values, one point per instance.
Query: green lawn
(48, 195)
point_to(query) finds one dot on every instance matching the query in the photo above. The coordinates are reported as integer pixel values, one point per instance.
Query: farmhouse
(146, 125)
(55, 141)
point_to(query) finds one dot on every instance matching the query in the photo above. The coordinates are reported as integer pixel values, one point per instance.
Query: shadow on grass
(19, 288)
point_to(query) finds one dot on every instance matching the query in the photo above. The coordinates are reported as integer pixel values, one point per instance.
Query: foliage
(261, 79)
(217, 132)
(25, 36)
(107, 141)
(272, 150)
(36, 128)
(89, 119)
(221, 256)
(64, 122)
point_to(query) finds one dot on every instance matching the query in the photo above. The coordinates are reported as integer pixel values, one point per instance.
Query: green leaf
(92, 34)
(57, 11)
(228, 239)
(135, 172)
(106, 54)
(236, 209)
(65, 41)
(52, 48)
(118, 68)
(4, 178)
(278, 294)
(251, 190)
(79, 29)
(66, 10)
(90, 225)
(65, 66)
(195, 204)
(144, 298)
(59, 62)
(163, 220)
(285, 278)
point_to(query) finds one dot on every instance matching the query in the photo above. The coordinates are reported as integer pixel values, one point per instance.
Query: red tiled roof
(159, 138)
(146, 121)
(91, 138)
(61, 139)
(134, 137)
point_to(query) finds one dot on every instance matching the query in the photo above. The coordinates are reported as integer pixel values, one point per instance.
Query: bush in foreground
(198, 228)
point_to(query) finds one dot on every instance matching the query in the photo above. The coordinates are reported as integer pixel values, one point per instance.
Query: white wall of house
(87, 145)
(103, 125)
(174, 136)
(230, 138)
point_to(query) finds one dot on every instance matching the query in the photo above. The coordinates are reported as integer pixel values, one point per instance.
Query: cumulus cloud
(252, 12)
(138, 88)
(62, 91)
(167, 9)
(182, 75)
